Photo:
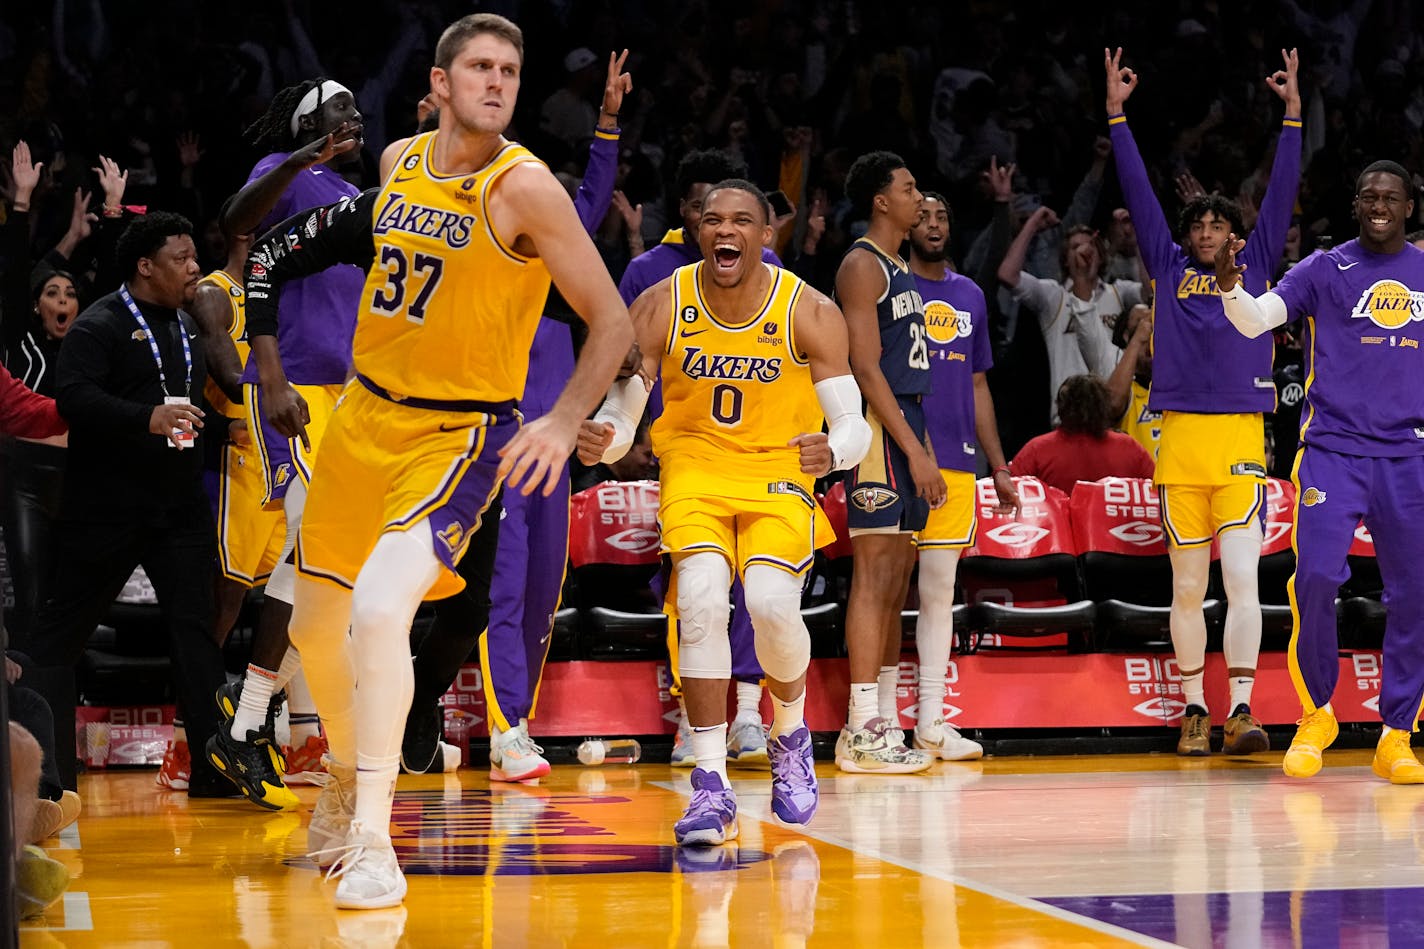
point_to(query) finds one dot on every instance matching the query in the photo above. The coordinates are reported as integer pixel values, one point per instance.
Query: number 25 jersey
(449, 310)
(734, 393)
(900, 312)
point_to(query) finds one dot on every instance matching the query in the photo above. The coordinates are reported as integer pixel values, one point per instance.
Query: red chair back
(1041, 528)
(833, 502)
(1280, 510)
(1362, 545)
(615, 523)
(1118, 516)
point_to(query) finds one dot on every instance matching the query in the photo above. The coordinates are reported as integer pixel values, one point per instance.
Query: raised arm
(260, 195)
(1154, 236)
(1268, 240)
(1119, 383)
(530, 202)
(595, 192)
(1011, 267)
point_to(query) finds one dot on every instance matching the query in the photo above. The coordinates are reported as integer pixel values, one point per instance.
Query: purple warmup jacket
(1200, 363)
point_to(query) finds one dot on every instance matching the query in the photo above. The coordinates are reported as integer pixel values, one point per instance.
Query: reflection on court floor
(1142, 850)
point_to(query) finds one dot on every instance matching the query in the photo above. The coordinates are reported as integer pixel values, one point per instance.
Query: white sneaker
(682, 756)
(514, 756)
(746, 743)
(944, 742)
(449, 757)
(870, 750)
(331, 818)
(371, 877)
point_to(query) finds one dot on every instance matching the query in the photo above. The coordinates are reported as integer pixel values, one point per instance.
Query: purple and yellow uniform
(957, 326)
(249, 535)
(734, 395)
(446, 320)
(317, 318)
(1361, 456)
(1210, 386)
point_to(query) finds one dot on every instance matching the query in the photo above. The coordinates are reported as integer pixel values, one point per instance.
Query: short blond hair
(466, 28)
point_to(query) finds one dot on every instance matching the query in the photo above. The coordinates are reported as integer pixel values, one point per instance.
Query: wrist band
(1004, 468)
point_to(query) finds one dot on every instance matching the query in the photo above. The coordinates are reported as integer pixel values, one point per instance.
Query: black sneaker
(250, 765)
(229, 697)
(420, 748)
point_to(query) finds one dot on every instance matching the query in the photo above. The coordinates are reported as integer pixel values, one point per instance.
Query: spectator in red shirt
(1083, 447)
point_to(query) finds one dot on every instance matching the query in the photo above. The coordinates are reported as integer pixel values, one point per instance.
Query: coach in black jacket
(130, 372)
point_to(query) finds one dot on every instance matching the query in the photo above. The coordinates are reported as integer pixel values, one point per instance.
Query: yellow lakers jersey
(448, 310)
(735, 393)
(237, 329)
(1144, 425)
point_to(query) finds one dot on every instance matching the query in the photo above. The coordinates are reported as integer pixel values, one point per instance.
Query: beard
(930, 255)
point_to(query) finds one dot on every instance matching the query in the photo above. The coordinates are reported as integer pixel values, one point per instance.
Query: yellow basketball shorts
(1211, 474)
(748, 521)
(951, 526)
(250, 535)
(283, 459)
(388, 466)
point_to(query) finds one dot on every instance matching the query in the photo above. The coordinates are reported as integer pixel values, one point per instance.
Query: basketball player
(311, 129)
(752, 360)
(1212, 391)
(461, 242)
(697, 172)
(891, 492)
(959, 416)
(249, 536)
(1361, 455)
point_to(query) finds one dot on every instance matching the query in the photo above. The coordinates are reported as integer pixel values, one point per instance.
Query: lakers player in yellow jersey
(753, 362)
(460, 243)
(250, 535)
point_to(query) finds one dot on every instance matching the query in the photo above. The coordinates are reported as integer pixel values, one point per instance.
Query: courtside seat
(126, 661)
(564, 643)
(826, 624)
(613, 552)
(1020, 579)
(1117, 525)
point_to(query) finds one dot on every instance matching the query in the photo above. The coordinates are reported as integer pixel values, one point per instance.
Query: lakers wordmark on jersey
(448, 310)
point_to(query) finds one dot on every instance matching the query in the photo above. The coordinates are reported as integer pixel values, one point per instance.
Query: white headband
(326, 90)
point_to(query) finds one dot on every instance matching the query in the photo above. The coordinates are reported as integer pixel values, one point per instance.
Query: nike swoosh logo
(686, 333)
(1344, 267)
(451, 428)
(400, 180)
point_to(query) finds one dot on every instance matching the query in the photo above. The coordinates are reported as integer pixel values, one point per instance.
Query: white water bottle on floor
(597, 751)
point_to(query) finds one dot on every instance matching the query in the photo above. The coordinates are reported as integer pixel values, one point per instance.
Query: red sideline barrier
(614, 523)
(1042, 692)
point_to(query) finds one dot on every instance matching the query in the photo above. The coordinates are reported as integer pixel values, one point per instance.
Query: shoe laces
(709, 799)
(350, 853)
(1316, 724)
(793, 767)
(1198, 726)
(517, 742)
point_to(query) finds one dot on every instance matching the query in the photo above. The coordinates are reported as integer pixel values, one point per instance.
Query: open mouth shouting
(726, 256)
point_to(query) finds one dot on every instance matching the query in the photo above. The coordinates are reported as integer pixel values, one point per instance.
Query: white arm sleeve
(1253, 316)
(849, 435)
(623, 409)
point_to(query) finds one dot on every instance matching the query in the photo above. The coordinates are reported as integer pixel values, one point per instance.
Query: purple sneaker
(794, 794)
(711, 815)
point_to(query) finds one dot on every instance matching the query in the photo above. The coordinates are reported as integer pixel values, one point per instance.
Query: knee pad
(703, 603)
(783, 645)
(703, 606)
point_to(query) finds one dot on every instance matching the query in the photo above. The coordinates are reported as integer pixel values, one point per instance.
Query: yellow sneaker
(1317, 730)
(1394, 759)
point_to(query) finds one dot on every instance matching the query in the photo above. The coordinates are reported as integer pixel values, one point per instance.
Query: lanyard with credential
(153, 346)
